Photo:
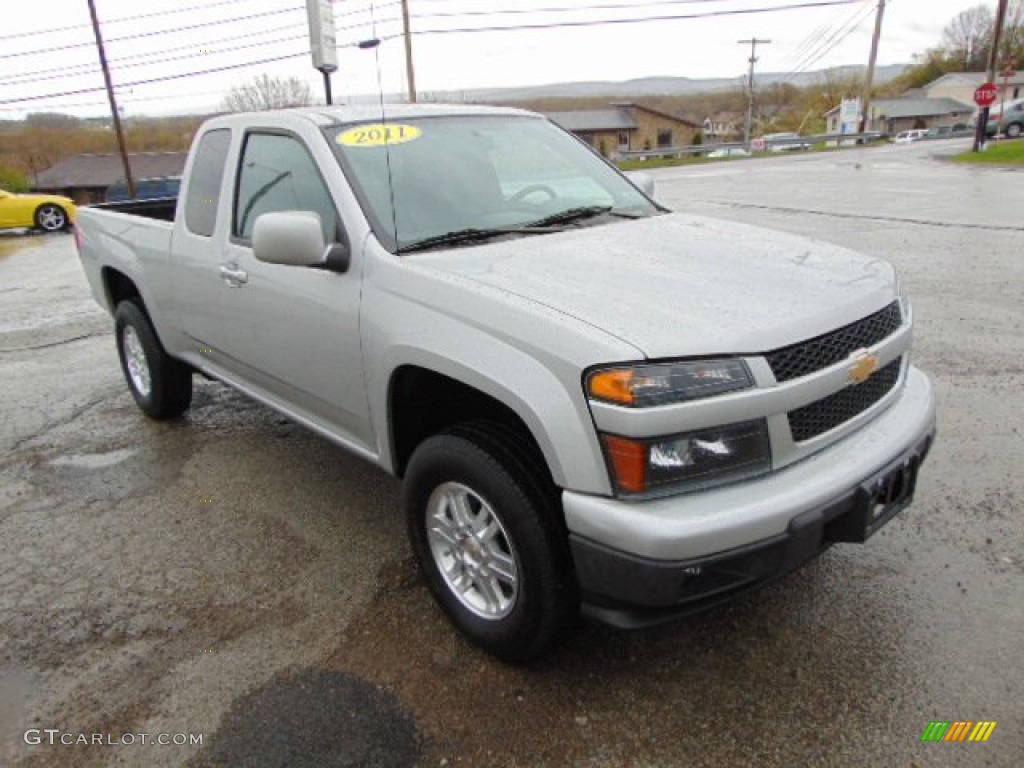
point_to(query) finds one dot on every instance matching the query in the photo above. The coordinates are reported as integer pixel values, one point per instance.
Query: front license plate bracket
(877, 501)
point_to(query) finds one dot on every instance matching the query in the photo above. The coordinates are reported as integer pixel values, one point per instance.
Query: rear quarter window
(203, 196)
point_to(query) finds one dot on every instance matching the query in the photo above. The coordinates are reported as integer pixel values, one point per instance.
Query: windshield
(472, 173)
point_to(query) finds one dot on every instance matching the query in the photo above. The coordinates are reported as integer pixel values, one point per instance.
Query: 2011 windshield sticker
(378, 135)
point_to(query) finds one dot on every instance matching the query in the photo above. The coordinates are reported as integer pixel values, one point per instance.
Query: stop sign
(985, 95)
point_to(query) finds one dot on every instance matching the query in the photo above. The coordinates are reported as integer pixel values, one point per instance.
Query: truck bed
(161, 208)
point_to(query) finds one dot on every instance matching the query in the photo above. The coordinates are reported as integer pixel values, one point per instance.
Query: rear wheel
(51, 218)
(1013, 130)
(161, 386)
(483, 524)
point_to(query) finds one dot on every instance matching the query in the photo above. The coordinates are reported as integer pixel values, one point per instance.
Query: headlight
(690, 461)
(659, 384)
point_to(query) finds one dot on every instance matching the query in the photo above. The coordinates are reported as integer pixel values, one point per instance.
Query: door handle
(234, 277)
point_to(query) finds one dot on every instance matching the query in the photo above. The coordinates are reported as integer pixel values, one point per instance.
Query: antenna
(374, 43)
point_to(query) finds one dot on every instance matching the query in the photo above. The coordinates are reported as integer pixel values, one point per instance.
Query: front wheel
(161, 386)
(51, 218)
(483, 526)
(1013, 130)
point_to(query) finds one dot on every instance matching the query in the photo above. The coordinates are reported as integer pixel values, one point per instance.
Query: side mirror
(643, 181)
(296, 239)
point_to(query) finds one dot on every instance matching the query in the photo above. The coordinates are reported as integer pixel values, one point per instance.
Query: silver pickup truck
(595, 405)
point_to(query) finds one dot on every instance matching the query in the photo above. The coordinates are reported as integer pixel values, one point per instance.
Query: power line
(808, 42)
(147, 54)
(470, 30)
(64, 74)
(140, 35)
(154, 14)
(166, 78)
(637, 20)
(54, 30)
(832, 42)
(126, 102)
(562, 9)
(82, 69)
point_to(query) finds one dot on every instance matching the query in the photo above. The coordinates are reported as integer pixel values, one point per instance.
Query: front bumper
(641, 562)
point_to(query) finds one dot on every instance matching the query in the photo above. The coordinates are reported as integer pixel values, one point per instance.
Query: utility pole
(113, 102)
(993, 57)
(870, 81)
(753, 43)
(410, 74)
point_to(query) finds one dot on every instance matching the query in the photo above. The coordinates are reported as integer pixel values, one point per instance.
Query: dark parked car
(145, 189)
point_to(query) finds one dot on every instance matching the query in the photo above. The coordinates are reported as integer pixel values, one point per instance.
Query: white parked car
(729, 152)
(785, 142)
(907, 137)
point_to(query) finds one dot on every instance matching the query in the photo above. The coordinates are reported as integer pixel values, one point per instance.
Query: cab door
(292, 333)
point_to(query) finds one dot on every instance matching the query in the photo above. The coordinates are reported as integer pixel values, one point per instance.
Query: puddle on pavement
(93, 460)
(312, 718)
(112, 475)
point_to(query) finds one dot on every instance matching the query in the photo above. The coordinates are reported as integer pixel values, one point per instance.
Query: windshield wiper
(578, 214)
(469, 235)
(541, 227)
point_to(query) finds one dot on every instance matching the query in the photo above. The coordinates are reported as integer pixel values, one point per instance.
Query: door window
(278, 174)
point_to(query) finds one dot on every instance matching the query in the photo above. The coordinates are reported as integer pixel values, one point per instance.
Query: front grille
(809, 356)
(829, 412)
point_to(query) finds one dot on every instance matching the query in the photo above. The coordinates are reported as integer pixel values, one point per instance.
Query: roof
(102, 170)
(725, 116)
(897, 108)
(653, 111)
(972, 79)
(618, 117)
(615, 119)
(355, 113)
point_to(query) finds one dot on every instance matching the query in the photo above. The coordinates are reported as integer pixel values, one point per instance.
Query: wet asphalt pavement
(233, 576)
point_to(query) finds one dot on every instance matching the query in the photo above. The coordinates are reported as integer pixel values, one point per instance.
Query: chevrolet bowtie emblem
(864, 364)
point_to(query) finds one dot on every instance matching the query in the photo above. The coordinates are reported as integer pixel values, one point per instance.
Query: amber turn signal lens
(629, 461)
(614, 386)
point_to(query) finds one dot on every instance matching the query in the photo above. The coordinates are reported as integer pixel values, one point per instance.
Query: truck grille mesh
(829, 412)
(809, 356)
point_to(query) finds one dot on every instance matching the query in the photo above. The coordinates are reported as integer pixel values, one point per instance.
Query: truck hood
(677, 285)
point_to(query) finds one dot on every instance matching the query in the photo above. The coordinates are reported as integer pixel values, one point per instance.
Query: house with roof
(894, 115)
(946, 101)
(85, 178)
(625, 127)
(961, 86)
(724, 125)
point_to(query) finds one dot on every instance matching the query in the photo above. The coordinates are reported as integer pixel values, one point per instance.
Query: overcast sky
(177, 37)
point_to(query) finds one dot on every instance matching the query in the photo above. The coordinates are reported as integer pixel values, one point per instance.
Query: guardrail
(755, 145)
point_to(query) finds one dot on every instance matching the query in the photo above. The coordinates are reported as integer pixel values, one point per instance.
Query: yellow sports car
(50, 213)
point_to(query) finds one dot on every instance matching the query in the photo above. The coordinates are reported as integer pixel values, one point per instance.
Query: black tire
(500, 469)
(161, 386)
(1013, 130)
(50, 217)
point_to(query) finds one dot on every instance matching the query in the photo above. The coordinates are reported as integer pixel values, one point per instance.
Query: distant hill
(647, 86)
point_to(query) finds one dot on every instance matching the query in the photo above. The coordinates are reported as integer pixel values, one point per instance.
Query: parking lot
(234, 577)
